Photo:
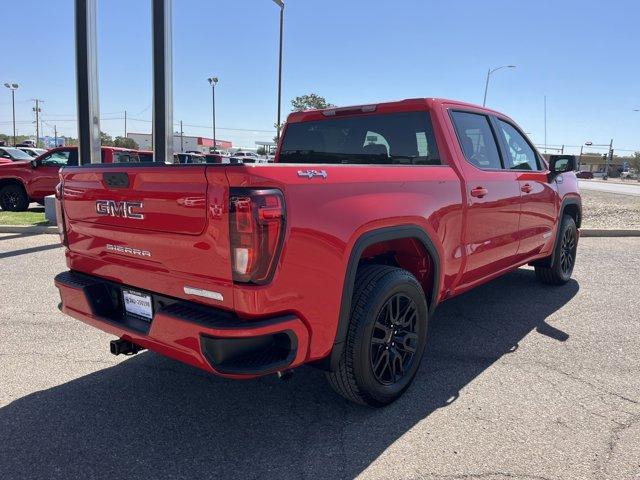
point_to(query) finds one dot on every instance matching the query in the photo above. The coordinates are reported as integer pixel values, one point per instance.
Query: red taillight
(256, 227)
(62, 229)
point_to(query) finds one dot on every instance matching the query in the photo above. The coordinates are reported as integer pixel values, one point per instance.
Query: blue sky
(584, 55)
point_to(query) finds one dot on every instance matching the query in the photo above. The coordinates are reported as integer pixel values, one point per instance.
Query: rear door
(538, 196)
(493, 199)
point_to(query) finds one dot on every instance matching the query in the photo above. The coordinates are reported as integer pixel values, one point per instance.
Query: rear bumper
(208, 338)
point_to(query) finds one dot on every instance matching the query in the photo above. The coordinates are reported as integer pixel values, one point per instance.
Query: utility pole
(55, 136)
(280, 4)
(580, 157)
(181, 138)
(608, 161)
(37, 110)
(545, 124)
(125, 124)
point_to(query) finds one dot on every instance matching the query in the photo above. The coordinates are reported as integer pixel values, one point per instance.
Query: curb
(28, 229)
(594, 232)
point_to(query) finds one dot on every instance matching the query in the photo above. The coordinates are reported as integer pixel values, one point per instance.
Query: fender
(570, 200)
(365, 240)
(13, 179)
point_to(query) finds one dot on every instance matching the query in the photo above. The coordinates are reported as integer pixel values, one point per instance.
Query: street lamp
(280, 3)
(213, 81)
(588, 144)
(486, 86)
(13, 87)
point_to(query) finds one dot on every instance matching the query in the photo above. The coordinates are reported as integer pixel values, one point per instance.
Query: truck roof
(405, 105)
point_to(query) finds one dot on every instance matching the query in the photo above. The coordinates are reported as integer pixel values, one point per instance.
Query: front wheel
(564, 258)
(13, 198)
(386, 337)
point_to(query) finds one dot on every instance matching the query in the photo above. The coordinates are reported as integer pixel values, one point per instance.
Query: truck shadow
(152, 417)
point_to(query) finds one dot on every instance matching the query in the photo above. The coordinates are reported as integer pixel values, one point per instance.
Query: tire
(564, 257)
(379, 362)
(13, 198)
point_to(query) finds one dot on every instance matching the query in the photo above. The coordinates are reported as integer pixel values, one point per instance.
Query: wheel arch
(365, 241)
(572, 206)
(13, 181)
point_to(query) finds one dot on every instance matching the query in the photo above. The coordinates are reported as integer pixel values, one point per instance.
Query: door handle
(479, 192)
(526, 188)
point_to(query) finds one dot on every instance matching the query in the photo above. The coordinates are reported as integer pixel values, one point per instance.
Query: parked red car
(336, 255)
(22, 182)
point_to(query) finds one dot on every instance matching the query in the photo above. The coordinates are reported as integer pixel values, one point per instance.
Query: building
(182, 143)
(269, 147)
(596, 163)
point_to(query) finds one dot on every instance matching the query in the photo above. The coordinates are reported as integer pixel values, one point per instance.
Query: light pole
(280, 3)
(486, 85)
(588, 144)
(213, 81)
(13, 87)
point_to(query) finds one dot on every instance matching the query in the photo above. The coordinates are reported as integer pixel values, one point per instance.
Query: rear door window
(477, 140)
(389, 139)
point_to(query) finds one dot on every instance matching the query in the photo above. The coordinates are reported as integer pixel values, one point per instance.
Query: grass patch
(22, 218)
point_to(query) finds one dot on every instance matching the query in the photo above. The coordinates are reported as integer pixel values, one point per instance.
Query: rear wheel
(564, 258)
(386, 338)
(13, 198)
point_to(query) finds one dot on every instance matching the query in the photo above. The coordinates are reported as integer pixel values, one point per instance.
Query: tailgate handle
(116, 179)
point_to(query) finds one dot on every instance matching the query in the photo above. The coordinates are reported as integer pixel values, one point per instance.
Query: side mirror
(34, 164)
(559, 164)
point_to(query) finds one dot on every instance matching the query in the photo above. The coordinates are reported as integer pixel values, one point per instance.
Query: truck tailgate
(159, 228)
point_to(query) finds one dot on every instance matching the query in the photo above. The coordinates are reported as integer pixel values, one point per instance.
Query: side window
(56, 159)
(477, 140)
(520, 155)
(4, 154)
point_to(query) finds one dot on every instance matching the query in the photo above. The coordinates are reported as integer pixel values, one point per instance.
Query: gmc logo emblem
(111, 208)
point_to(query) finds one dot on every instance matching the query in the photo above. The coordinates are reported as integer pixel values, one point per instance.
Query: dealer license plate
(138, 304)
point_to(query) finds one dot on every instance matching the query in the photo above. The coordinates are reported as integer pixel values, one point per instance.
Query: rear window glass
(395, 139)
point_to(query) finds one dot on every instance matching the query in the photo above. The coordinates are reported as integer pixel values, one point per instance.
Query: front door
(46, 176)
(493, 200)
(539, 205)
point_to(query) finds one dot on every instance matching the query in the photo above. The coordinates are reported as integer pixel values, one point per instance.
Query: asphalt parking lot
(521, 381)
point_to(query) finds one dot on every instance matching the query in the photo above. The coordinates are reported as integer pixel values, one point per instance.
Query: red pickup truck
(336, 255)
(22, 182)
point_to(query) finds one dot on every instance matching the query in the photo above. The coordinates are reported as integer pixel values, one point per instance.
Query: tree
(125, 142)
(309, 102)
(635, 164)
(261, 150)
(106, 140)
